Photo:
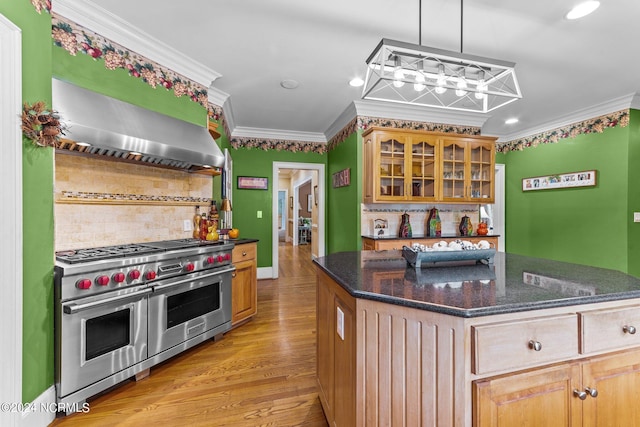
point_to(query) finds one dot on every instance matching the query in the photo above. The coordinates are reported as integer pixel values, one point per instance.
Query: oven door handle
(192, 279)
(73, 308)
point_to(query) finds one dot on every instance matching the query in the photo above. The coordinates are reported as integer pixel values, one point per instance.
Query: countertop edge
(474, 313)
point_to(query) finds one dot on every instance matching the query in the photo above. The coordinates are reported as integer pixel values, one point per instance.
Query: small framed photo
(253, 183)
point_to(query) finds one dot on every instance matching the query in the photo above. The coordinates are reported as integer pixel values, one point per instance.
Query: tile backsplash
(450, 216)
(79, 225)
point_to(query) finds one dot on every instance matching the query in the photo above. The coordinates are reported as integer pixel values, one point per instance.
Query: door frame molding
(320, 169)
(11, 244)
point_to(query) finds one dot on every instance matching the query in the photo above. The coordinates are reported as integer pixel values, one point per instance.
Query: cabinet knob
(628, 329)
(233, 274)
(535, 345)
(579, 394)
(244, 254)
(591, 391)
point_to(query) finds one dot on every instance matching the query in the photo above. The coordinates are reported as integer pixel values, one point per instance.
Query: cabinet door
(543, 397)
(481, 172)
(391, 167)
(453, 170)
(423, 169)
(243, 291)
(616, 379)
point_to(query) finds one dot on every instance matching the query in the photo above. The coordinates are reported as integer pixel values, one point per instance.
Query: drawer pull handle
(629, 329)
(579, 394)
(535, 345)
(591, 391)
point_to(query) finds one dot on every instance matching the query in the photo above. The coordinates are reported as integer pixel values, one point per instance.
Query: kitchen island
(463, 345)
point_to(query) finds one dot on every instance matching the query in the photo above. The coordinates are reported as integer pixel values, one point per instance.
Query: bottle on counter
(196, 223)
(204, 227)
(213, 215)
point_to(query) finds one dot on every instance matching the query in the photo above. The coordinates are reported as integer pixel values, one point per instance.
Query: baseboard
(42, 411)
(265, 273)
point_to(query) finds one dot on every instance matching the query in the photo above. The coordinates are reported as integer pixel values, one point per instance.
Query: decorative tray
(419, 259)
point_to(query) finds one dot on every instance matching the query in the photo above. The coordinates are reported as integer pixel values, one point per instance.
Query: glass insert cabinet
(418, 166)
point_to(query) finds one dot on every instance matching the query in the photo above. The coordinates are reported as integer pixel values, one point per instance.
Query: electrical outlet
(636, 217)
(340, 322)
(186, 225)
(259, 214)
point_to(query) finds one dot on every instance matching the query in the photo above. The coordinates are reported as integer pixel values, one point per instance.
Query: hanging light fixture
(477, 84)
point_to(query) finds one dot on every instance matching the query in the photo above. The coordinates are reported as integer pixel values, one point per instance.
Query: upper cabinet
(416, 166)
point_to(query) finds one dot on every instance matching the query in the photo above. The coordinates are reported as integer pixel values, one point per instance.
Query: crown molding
(261, 133)
(114, 28)
(343, 120)
(217, 97)
(420, 114)
(607, 107)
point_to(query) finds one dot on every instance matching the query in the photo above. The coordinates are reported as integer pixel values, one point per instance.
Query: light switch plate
(259, 214)
(636, 217)
(340, 322)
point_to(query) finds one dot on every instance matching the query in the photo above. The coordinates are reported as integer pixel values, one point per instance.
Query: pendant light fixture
(419, 75)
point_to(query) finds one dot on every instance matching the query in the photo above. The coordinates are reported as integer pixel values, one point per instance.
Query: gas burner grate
(105, 252)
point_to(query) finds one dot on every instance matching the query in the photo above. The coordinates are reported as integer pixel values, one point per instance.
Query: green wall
(343, 203)
(633, 194)
(246, 203)
(37, 205)
(587, 225)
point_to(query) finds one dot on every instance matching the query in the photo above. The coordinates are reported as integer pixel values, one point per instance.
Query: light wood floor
(259, 374)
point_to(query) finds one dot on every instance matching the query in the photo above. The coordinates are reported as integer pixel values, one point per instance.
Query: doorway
(315, 200)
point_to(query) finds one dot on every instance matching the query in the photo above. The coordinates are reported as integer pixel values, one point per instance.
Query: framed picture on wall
(253, 183)
(564, 180)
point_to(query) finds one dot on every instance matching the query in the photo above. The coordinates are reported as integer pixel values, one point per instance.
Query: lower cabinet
(599, 391)
(244, 285)
(336, 352)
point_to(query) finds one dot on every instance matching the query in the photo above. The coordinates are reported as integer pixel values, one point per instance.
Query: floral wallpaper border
(278, 145)
(41, 5)
(594, 125)
(75, 38)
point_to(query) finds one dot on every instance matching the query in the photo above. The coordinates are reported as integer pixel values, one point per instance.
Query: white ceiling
(565, 68)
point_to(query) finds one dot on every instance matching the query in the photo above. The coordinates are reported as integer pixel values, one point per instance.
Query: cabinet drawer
(244, 252)
(508, 346)
(609, 329)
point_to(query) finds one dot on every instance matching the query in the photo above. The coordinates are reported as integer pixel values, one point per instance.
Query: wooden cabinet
(369, 244)
(244, 285)
(415, 166)
(602, 391)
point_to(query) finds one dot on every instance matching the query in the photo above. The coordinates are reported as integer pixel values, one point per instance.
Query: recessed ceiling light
(289, 84)
(356, 82)
(583, 9)
(511, 121)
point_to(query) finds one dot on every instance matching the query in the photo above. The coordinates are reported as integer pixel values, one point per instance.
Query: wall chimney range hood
(100, 125)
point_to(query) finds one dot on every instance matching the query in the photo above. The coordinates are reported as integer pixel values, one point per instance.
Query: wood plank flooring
(259, 374)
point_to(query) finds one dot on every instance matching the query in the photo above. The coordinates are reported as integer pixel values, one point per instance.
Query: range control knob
(227, 257)
(220, 258)
(83, 284)
(102, 280)
(134, 274)
(150, 275)
(211, 260)
(190, 267)
(118, 277)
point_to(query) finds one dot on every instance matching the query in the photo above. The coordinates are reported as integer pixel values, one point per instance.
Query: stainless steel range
(121, 309)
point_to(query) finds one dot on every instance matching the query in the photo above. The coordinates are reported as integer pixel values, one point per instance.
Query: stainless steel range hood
(118, 129)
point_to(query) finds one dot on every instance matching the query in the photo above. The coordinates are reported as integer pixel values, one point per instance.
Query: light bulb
(419, 85)
(442, 80)
(440, 90)
(461, 85)
(481, 89)
(398, 75)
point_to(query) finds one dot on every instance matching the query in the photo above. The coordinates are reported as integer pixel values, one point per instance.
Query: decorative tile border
(111, 197)
(594, 125)
(75, 38)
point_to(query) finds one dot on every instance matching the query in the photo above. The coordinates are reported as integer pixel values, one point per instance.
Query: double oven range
(121, 309)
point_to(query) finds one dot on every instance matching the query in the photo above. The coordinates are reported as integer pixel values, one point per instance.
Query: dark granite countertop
(414, 237)
(514, 283)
